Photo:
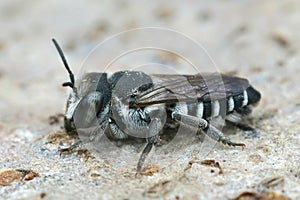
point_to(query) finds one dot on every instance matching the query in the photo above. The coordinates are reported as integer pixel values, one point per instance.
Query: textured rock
(254, 39)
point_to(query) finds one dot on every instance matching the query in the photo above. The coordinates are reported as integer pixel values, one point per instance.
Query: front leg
(88, 135)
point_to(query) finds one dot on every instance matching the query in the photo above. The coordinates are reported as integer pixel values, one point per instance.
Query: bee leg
(189, 120)
(208, 129)
(115, 131)
(243, 126)
(152, 139)
(146, 151)
(71, 148)
(77, 145)
(95, 133)
(238, 121)
(217, 135)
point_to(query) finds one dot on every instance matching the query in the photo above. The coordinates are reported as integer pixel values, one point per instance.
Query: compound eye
(88, 109)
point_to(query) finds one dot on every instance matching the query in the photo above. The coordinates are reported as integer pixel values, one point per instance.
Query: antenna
(63, 58)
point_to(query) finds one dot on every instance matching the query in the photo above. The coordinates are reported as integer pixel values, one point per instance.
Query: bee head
(87, 106)
(94, 98)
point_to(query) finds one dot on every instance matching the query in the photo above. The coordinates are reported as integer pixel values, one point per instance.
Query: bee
(133, 103)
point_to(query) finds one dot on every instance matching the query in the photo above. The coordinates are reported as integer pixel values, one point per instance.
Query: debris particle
(85, 154)
(208, 163)
(256, 69)
(150, 170)
(28, 175)
(269, 195)
(272, 182)
(42, 195)
(55, 119)
(280, 39)
(57, 137)
(18, 175)
(165, 13)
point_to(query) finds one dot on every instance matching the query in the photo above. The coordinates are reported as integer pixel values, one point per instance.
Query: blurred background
(253, 38)
(256, 39)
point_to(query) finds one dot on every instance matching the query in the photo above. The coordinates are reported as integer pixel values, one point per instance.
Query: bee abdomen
(241, 101)
(220, 107)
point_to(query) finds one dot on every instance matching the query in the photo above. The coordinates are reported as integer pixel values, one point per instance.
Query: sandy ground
(254, 39)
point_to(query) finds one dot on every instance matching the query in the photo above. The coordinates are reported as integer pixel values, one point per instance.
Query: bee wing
(191, 88)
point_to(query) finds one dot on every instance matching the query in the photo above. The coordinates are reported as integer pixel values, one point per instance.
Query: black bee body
(132, 103)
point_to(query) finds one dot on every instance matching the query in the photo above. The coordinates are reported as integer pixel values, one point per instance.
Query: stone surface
(254, 39)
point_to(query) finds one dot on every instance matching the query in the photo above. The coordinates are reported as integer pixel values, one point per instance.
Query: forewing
(221, 86)
(191, 88)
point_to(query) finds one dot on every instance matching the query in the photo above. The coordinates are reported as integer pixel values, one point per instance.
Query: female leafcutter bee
(133, 103)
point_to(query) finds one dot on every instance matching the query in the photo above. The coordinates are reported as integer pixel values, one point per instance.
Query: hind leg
(207, 128)
(237, 120)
